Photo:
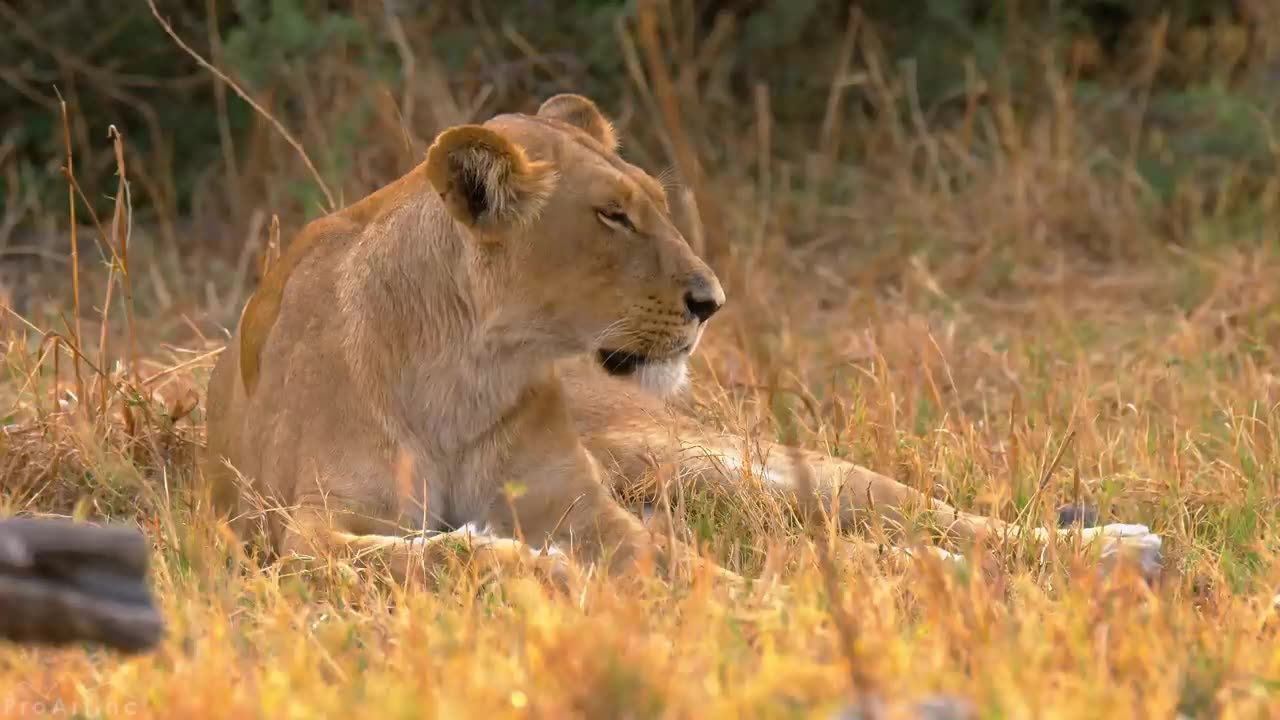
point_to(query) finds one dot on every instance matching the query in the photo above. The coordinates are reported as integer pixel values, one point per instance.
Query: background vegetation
(1014, 253)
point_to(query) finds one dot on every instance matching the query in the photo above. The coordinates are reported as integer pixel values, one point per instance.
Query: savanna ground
(1051, 280)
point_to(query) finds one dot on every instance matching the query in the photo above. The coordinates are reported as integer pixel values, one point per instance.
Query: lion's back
(273, 338)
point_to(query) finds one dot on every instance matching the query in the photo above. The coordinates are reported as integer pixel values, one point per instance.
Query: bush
(327, 70)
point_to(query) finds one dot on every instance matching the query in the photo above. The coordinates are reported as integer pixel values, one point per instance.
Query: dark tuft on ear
(583, 114)
(471, 188)
(485, 180)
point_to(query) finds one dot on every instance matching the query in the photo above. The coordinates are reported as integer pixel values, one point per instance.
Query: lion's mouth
(622, 362)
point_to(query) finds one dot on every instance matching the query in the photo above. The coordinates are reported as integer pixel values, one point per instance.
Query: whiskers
(669, 178)
(622, 327)
(626, 355)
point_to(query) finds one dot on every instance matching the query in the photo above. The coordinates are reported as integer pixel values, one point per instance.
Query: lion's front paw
(555, 568)
(1126, 542)
(1144, 550)
(946, 558)
(1123, 530)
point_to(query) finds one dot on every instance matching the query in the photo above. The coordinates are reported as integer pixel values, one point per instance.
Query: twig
(102, 340)
(829, 135)
(220, 104)
(75, 249)
(847, 629)
(180, 366)
(717, 246)
(122, 223)
(1045, 476)
(328, 196)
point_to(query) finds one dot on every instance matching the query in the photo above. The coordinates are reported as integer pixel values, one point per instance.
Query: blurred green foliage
(114, 65)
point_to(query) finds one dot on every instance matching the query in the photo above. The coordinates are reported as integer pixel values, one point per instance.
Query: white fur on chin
(664, 378)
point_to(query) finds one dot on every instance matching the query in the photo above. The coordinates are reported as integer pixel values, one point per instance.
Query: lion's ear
(487, 181)
(583, 114)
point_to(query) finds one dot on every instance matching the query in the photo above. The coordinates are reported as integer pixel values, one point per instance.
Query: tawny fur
(424, 360)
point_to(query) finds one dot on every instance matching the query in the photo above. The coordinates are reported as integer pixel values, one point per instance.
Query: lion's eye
(615, 218)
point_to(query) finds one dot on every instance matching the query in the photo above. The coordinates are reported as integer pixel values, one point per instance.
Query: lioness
(413, 366)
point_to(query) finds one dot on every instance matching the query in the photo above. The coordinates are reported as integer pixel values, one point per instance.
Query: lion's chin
(662, 377)
(665, 377)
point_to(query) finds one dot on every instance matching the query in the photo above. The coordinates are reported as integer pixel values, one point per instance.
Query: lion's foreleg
(853, 495)
(421, 558)
(569, 505)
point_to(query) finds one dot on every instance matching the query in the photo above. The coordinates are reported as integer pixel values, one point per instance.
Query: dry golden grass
(980, 319)
(1170, 423)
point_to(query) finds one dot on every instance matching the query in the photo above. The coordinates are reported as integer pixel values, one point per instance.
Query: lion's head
(589, 237)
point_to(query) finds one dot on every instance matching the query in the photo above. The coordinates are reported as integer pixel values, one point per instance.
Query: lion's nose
(703, 299)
